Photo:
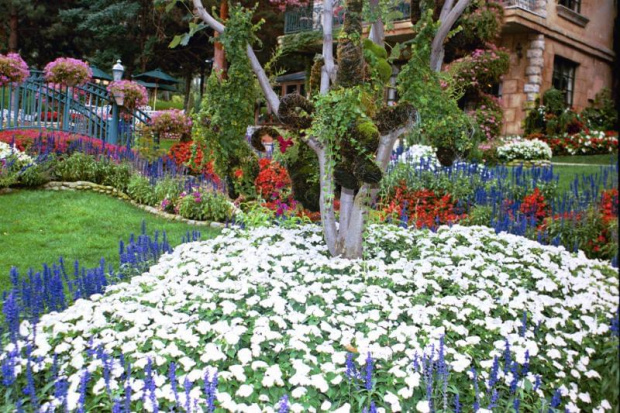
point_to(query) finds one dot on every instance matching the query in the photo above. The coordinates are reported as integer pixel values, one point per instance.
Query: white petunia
(245, 390)
(423, 406)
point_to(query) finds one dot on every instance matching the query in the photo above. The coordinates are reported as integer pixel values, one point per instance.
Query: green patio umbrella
(156, 79)
(100, 74)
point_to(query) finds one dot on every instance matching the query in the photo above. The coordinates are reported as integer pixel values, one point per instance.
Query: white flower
(299, 392)
(423, 406)
(345, 408)
(392, 400)
(245, 390)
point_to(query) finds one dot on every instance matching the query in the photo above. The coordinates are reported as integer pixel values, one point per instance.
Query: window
(564, 77)
(574, 5)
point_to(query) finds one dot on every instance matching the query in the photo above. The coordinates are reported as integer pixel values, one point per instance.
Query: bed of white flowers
(512, 322)
(524, 150)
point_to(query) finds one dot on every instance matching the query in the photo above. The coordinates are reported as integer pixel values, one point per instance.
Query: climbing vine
(228, 107)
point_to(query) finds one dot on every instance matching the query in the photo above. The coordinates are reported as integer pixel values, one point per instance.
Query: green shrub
(77, 167)
(35, 175)
(112, 174)
(168, 188)
(255, 215)
(601, 115)
(140, 190)
(479, 215)
(204, 206)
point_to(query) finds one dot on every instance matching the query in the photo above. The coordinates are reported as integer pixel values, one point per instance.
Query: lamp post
(117, 74)
(117, 71)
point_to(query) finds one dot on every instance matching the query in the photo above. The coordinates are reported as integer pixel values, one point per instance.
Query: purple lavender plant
(283, 406)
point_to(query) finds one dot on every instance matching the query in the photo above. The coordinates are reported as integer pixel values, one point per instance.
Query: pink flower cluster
(171, 124)
(68, 71)
(134, 93)
(13, 69)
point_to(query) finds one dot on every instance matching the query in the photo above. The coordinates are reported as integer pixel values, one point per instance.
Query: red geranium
(423, 208)
(535, 205)
(191, 155)
(272, 181)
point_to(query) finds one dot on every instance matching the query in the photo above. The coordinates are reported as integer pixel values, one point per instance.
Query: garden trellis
(85, 110)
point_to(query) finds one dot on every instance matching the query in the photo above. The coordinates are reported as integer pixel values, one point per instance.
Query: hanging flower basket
(67, 71)
(132, 94)
(13, 69)
(172, 124)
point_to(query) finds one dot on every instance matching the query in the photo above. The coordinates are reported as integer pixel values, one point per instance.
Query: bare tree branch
(447, 6)
(328, 44)
(263, 80)
(437, 52)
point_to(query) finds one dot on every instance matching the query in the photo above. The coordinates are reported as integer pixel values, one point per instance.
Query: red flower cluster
(535, 205)
(272, 179)
(609, 205)
(181, 153)
(423, 208)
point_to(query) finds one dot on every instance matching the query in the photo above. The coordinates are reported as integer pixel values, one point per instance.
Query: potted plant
(128, 94)
(68, 72)
(13, 69)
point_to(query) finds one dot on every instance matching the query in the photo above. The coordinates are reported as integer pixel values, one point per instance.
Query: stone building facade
(563, 43)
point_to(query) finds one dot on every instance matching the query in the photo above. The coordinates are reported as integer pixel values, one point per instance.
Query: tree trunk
(449, 15)
(202, 80)
(188, 90)
(219, 56)
(13, 27)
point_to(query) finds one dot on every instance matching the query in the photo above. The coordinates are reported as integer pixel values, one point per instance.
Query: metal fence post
(113, 131)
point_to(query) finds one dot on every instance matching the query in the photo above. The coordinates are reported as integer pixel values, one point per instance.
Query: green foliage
(147, 147)
(552, 117)
(443, 124)
(140, 190)
(293, 43)
(602, 114)
(479, 215)
(228, 105)
(35, 175)
(77, 167)
(255, 215)
(168, 188)
(581, 231)
(481, 22)
(209, 206)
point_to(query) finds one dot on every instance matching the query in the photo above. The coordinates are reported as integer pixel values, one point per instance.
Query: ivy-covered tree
(346, 124)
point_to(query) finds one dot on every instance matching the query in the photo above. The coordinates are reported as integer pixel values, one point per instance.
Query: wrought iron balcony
(310, 18)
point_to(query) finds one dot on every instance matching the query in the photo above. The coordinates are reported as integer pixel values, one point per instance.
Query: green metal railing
(86, 110)
(309, 18)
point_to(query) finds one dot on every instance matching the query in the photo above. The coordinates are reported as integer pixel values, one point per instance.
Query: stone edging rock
(528, 164)
(109, 190)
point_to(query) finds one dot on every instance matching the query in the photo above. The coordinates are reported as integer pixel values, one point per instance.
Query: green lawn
(590, 159)
(567, 174)
(584, 165)
(39, 226)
